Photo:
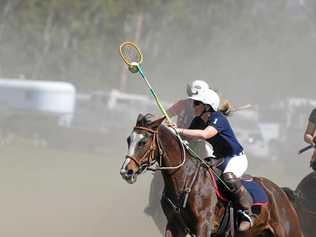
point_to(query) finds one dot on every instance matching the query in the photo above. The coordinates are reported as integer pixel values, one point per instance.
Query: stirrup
(246, 216)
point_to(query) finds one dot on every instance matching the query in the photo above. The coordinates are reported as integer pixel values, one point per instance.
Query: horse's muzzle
(128, 175)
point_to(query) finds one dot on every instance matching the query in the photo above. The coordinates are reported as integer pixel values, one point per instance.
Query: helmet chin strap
(206, 110)
(203, 117)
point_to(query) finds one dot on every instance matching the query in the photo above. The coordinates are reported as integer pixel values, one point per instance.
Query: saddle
(254, 188)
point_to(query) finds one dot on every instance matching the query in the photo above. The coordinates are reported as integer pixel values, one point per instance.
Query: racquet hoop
(131, 56)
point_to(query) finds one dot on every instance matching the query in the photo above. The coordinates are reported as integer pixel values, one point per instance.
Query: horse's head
(142, 147)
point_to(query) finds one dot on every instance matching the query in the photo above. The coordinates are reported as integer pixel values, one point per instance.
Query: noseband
(149, 155)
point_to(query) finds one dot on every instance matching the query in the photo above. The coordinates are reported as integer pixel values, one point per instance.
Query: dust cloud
(65, 181)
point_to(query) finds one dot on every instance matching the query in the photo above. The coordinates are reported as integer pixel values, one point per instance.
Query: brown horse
(189, 199)
(304, 198)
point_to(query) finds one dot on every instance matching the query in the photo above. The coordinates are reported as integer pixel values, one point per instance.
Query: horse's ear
(139, 118)
(155, 124)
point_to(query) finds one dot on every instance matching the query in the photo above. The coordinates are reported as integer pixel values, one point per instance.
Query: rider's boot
(242, 199)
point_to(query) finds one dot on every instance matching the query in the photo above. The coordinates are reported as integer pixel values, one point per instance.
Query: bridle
(148, 160)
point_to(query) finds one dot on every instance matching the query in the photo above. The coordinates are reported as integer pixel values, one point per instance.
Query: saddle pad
(257, 193)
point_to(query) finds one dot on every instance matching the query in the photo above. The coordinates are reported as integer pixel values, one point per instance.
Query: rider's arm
(309, 133)
(177, 108)
(206, 133)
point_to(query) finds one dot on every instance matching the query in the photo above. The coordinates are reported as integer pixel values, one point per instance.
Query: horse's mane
(145, 120)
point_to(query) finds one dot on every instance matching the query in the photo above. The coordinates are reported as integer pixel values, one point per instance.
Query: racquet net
(130, 53)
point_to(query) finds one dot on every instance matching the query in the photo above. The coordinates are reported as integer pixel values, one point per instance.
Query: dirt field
(67, 194)
(50, 193)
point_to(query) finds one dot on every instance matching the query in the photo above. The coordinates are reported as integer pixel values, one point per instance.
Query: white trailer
(34, 109)
(52, 98)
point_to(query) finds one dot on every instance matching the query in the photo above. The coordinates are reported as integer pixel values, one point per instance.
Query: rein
(150, 153)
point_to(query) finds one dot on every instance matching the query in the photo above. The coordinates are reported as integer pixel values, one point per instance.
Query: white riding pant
(237, 165)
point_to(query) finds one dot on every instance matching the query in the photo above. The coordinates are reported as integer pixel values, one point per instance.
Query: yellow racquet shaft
(160, 106)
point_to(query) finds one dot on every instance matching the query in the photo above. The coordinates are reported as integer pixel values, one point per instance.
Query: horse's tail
(291, 194)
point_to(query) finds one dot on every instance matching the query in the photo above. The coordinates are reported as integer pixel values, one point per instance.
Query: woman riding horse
(212, 126)
(189, 199)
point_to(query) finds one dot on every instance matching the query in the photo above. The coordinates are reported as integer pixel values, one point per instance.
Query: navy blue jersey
(224, 142)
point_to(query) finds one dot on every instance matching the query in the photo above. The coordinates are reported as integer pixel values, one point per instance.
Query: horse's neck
(175, 179)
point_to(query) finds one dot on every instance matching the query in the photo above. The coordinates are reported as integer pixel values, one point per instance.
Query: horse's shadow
(153, 208)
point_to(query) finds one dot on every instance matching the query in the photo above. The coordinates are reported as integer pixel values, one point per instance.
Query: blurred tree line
(245, 44)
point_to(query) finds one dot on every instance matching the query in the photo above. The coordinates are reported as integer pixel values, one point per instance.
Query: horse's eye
(128, 141)
(142, 143)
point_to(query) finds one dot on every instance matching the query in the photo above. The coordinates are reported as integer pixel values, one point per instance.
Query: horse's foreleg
(173, 230)
(204, 228)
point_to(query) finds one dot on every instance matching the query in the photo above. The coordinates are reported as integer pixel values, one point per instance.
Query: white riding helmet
(208, 97)
(196, 86)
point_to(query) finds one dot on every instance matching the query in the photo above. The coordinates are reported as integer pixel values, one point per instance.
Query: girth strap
(177, 211)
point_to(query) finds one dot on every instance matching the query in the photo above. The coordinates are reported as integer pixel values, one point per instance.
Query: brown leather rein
(149, 155)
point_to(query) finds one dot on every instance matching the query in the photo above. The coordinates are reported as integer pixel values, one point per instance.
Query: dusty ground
(52, 193)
